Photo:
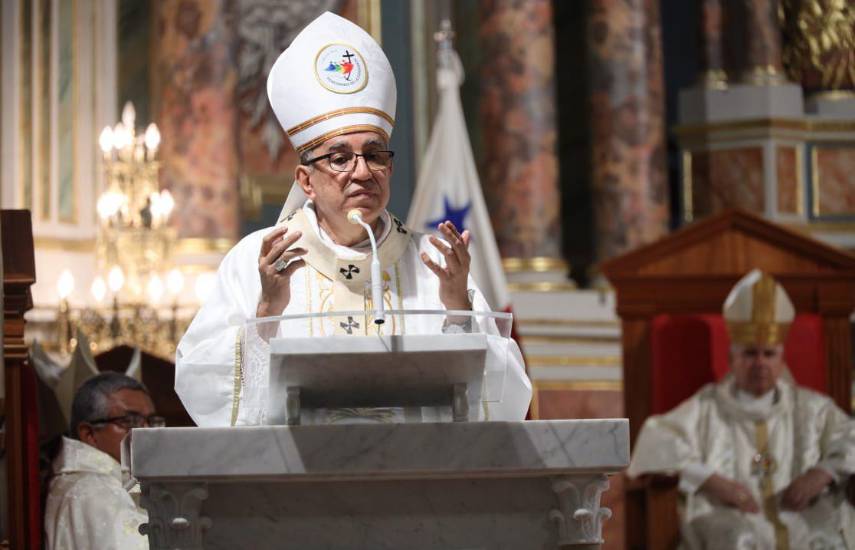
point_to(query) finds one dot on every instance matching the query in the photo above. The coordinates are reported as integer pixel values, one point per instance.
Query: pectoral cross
(349, 325)
(763, 464)
(348, 273)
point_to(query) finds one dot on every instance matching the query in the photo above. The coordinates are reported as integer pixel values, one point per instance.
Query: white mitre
(758, 310)
(333, 79)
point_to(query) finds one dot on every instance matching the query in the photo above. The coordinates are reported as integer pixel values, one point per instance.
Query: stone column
(519, 164)
(627, 124)
(763, 42)
(193, 88)
(713, 73)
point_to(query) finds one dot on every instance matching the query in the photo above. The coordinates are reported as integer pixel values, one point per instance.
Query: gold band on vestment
(339, 112)
(770, 499)
(238, 375)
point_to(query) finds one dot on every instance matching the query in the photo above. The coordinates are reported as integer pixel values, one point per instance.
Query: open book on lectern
(335, 367)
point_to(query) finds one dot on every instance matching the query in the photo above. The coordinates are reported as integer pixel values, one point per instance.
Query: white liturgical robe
(717, 432)
(219, 388)
(88, 505)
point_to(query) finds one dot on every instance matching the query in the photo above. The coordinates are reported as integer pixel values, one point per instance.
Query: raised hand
(275, 271)
(453, 278)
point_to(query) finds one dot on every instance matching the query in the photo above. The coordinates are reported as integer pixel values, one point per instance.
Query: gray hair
(305, 156)
(92, 399)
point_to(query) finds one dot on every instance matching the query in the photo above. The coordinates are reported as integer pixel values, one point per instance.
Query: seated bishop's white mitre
(758, 310)
(333, 79)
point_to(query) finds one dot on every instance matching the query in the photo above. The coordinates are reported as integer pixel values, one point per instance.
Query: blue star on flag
(455, 215)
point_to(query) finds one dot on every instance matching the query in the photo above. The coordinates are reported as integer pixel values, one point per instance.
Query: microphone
(355, 217)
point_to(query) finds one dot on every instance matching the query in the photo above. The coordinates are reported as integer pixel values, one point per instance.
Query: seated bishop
(333, 92)
(763, 463)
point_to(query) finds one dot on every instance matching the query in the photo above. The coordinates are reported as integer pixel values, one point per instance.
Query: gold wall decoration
(819, 43)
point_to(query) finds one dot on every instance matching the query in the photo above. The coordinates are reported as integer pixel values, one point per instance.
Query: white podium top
(388, 451)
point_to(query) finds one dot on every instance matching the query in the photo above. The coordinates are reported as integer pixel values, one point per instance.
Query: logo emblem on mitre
(341, 69)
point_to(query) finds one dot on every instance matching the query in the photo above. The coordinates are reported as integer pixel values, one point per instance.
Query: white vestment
(221, 369)
(88, 505)
(716, 432)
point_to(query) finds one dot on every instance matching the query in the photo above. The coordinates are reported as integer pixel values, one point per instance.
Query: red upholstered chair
(689, 351)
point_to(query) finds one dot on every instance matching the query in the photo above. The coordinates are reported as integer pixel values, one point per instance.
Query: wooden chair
(20, 413)
(669, 298)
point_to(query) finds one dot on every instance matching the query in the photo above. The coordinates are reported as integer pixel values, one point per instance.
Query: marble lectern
(455, 485)
(414, 484)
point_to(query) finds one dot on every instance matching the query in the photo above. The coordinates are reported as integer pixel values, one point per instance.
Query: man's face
(336, 193)
(757, 367)
(108, 437)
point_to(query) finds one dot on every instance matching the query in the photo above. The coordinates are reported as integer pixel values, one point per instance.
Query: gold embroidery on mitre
(339, 112)
(762, 329)
(763, 303)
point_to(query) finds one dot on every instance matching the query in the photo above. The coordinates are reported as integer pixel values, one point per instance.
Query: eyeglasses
(133, 420)
(345, 161)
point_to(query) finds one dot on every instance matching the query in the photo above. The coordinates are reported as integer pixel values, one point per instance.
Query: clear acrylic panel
(340, 328)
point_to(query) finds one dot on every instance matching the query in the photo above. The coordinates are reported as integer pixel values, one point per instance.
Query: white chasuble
(764, 450)
(87, 504)
(222, 365)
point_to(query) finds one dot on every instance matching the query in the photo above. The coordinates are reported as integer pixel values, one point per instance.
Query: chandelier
(135, 295)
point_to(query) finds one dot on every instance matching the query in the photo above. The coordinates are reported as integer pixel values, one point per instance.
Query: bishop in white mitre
(763, 463)
(333, 91)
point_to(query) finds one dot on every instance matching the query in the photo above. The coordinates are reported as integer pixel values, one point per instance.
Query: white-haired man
(333, 92)
(762, 462)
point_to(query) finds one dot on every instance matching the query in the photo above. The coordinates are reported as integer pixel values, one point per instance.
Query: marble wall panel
(194, 84)
(727, 178)
(789, 188)
(834, 180)
(519, 167)
(627, 113)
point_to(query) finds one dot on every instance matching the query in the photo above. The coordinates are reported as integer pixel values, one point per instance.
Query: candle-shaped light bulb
(99, 289)
(105, 140)
(115, 279)
(167, 203)
(154, 289)
(152, 138)
(175, 281)
(65, 284)
(129, 116)
(121, 137)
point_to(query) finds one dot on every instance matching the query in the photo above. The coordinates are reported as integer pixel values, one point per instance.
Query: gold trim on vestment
(770, 500)
(339, 112)
(238, 375)
(341, 131)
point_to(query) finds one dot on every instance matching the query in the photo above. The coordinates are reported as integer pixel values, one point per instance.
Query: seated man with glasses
(315, 261)
(89, 504)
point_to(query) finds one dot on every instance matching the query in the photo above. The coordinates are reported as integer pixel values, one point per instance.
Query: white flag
(448, 187)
